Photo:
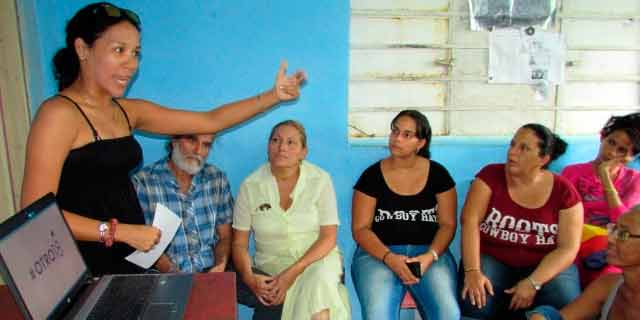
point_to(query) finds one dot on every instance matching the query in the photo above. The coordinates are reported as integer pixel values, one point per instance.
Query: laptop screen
(41, 258)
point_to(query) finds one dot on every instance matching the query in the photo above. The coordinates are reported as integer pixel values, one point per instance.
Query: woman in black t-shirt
(404, 211)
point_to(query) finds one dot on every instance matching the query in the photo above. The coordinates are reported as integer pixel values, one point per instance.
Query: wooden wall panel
(14, 112)
(423, 55)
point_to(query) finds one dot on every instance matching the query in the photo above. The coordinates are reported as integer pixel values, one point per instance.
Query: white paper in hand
(168, 223)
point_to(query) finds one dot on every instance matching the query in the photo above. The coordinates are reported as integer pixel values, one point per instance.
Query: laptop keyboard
(124, 298)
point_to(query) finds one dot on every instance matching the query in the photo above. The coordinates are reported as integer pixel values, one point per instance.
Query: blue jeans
(380, 291)
(548, 312)
(558, 292)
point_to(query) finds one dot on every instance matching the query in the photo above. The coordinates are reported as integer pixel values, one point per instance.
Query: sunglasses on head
(115, 12)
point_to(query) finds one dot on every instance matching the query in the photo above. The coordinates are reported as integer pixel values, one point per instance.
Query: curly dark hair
(629, 124)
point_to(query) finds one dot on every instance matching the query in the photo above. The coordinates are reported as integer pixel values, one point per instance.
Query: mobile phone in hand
(415, 268)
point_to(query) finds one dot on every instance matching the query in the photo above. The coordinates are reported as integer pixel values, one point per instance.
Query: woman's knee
(439, 305)
(562, 289)
(378, 297)
(323, 272)
(321, 315)
(366, 270)
(489, 311)
(442, 274)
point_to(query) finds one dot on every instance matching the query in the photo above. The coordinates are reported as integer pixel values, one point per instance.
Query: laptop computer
(44, 270)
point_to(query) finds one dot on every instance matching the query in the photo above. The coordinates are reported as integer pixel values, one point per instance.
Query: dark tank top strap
(95, 133)
(123, 112)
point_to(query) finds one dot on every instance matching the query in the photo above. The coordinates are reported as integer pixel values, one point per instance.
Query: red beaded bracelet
(108, 241)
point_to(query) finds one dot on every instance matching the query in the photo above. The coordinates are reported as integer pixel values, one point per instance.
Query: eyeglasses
(115, 12)
(620, 234)
(406, 134)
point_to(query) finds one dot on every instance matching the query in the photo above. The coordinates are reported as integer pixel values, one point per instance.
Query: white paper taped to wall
(517, 57)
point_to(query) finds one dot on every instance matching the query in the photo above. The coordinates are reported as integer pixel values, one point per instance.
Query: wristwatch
(536, 285)
(103, 229)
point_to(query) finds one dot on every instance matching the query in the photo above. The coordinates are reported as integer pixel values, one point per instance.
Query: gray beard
(185, 164)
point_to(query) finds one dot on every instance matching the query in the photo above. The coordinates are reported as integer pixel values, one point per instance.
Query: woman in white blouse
(289, 204)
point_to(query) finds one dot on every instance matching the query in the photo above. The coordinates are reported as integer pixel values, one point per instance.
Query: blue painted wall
(198, 54)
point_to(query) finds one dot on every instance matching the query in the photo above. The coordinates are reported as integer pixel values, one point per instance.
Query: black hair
(423, 129)
(88, 24)
(629, 124)
(550, 143)
(169, 145)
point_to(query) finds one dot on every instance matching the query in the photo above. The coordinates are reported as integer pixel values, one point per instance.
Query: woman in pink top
(608, 188)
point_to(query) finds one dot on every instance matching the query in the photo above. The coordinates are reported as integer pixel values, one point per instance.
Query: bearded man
(198, 193)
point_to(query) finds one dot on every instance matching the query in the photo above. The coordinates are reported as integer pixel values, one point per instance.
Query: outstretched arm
(150, 117)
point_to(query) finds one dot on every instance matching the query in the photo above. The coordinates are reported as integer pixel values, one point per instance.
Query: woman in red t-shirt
(521, 227)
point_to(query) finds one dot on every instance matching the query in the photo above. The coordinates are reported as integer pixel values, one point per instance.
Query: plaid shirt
(207, 204)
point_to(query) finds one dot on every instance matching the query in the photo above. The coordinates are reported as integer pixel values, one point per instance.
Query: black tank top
(95, 183)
